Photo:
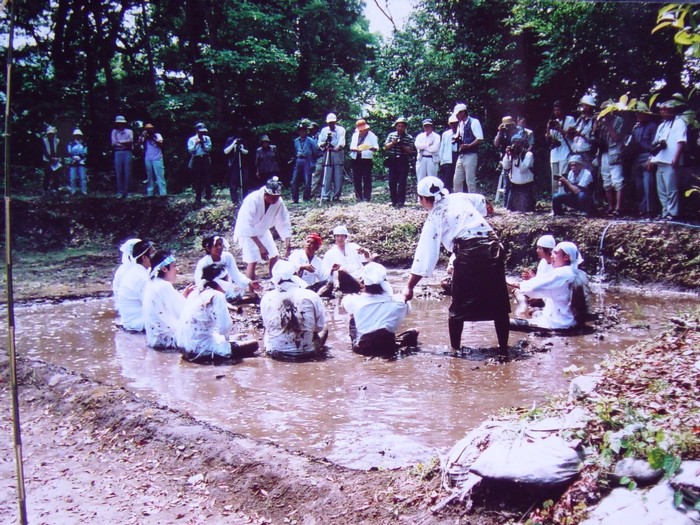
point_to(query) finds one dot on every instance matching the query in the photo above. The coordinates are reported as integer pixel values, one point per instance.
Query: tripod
(327, 163)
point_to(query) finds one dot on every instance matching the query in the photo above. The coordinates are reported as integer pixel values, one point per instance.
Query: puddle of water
(355, 411)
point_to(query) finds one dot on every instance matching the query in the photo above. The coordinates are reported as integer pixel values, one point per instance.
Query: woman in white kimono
(205, 323)
(563, 290)
(162, 304)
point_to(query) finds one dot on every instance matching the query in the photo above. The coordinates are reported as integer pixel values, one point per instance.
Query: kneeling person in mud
(205, 324)
(293, 317)
(375, 315)
(563, 289)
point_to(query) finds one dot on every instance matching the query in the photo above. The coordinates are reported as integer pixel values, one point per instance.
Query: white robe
(130, 297)
(292, 316)
(205, 324)
(240, 281)
(555, 287)
(299, 258)
(162, 307)
(351, 261)
(373, 312)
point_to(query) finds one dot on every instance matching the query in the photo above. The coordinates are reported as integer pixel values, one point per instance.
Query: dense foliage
(261, 65)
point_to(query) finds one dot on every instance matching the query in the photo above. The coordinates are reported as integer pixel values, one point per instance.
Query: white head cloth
(285, 271)
(570, 249)
(126, 250)
(432, 187)
(547, 241)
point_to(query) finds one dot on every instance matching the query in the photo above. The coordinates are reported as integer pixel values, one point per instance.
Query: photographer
(331, 140)
(469, 135)
(305, 154)
(610, 138)
(517, 165)
(667, 158)
(559, 145)
(575, 188)
(237, 168)
(152, 144)
(199, 146)
(582, 135)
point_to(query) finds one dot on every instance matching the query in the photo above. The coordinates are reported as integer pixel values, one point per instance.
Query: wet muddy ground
(354, 411)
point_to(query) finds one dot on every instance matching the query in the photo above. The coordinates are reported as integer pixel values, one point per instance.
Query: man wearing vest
(469, 135)
(52, 160)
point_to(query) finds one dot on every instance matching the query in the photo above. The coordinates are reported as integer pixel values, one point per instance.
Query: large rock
(582, 386)
(541, 462)
(637, 469)
(641, 507)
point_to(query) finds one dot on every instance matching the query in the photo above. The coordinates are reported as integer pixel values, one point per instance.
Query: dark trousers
(362, 179)
(237, 179)
(398, 175)
(302, 176)
(201, 176)
(581, 201)
(52, 179)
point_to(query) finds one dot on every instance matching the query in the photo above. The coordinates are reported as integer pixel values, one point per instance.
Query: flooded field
(355, 411)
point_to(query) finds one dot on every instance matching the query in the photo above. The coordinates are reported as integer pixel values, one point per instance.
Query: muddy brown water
(355, 411)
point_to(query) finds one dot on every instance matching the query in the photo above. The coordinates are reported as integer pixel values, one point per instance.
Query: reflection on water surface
(354, 411)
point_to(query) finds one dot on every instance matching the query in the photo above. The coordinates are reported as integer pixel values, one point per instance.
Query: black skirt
(479, 290)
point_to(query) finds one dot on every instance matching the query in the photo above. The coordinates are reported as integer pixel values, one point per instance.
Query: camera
(553, 124)
(328, 144)
(658, 146)
(554, 143)
(457, 140)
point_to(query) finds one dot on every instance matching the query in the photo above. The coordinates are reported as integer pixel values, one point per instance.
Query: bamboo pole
(16, 428)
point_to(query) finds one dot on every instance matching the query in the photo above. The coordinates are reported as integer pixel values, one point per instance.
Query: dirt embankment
(62, 242)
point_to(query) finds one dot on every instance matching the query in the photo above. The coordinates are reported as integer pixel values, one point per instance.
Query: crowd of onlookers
(596, 159)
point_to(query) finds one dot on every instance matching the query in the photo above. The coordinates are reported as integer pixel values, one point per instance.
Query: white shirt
(584, 179)
(118, 276)
(162, 307)
(130, 297)
(337, 136)
(299, 258)
(370, 140)
(561, 152)
(291, 316)
(205, 324)
(673, 132)
(543, 267)
(373, 312)
(522, 173)
(475, 126)
(446, 147)
(228, 260)
(452, 217)
(253, 220)
(428, 145)
(350, 261)
(555, 287)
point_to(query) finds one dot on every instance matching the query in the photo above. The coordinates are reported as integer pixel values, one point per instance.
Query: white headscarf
(570, 249)
(432, 187)
(126, 250)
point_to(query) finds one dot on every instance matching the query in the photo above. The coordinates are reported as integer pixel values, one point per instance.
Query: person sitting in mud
(127, 261)
(563, 290)
(375, 315)
(309, 266)
(293, 317)
(162, 304)
(544, 246)
(345, 259)
(241, 289)
(132, 286)
(205, 325)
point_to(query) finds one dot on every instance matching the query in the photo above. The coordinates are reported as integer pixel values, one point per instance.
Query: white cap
(547, 241)
(341, 230)
(373, 273)
(453, 118)
(331, 118)
(285, 271)
(126, 250)
(77, 131)
(459, 107)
